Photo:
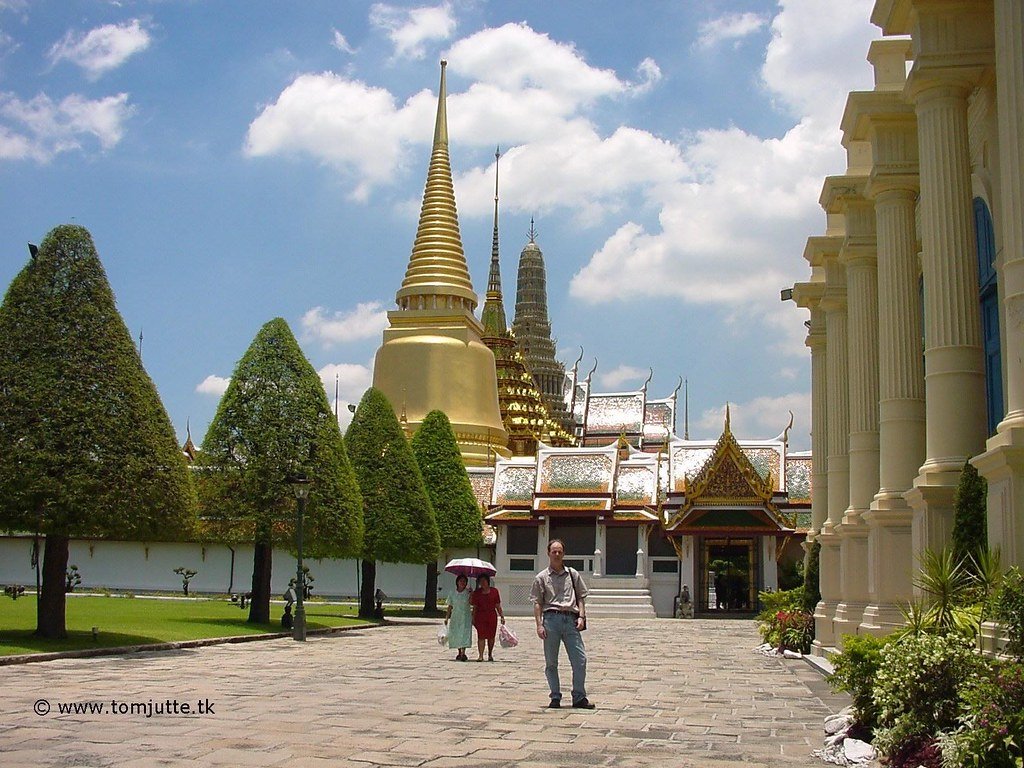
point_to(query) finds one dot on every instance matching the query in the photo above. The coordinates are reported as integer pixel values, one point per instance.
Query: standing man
(559, 607)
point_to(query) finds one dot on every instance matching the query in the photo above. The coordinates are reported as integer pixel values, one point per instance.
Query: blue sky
(239, 162)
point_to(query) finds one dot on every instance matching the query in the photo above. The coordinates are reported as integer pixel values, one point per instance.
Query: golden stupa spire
(437, 276)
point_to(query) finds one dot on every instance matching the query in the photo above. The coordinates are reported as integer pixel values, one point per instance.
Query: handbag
(573, 575)
(442, 634)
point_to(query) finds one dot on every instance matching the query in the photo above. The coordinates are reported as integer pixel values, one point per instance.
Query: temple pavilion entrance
(620, 550)
(728, 574)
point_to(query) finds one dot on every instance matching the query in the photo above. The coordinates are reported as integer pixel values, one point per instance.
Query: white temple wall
(140, 567)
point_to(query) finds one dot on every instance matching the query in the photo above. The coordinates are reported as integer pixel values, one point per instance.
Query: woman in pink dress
(486, 605)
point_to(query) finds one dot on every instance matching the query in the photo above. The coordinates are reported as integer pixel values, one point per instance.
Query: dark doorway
(728, 571)
(580, 539)
(620, 550)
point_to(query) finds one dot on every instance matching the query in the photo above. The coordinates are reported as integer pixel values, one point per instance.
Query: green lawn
(135, 621)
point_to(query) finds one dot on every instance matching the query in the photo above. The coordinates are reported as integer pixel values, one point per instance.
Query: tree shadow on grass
(18, 641)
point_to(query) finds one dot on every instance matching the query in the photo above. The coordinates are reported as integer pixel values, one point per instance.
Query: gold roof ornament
(437, 273)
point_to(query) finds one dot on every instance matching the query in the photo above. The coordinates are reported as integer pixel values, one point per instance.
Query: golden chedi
(432, 356)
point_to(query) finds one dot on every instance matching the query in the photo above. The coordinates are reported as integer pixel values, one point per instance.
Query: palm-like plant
(948, 585)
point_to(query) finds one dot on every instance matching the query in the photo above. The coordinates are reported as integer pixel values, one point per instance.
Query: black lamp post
(300, 485)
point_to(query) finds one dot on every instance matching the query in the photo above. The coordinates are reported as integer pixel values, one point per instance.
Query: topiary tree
(970, 516)
(451, 495)
(274, 422)
(812, 589)
(400, 524)
(88, 449)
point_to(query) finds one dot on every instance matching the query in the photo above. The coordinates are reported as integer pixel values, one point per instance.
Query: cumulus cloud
(649, 74)
(731, 26)
(213, 385)
(40, 128)
(366, 321)
(338, 41)
(102, 49)
(729, 231)
(763, 418)
(616, 377)
(410, 29)
(351, 380)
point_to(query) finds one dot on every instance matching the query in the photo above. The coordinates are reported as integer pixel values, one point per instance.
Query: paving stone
(690, 694)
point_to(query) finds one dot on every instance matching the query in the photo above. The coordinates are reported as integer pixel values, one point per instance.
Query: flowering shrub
(855, 671)
(918, 688)
(1009, 610)
(991, 734)
(783, 623)
(916, 753)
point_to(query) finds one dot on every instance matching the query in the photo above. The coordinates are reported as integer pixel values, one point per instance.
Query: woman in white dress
(459, 618)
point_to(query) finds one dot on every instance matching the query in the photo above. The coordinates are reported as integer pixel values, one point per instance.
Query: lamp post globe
(300, 487)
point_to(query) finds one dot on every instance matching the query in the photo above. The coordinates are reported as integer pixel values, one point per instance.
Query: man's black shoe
(554, 704)
(582, 704)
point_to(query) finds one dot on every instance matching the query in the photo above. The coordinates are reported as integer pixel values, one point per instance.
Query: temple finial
(533, 231)
(727, 427)
(494, 320)
(441, 123)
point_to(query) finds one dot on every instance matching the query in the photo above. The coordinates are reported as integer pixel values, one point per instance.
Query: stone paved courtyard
(668, 693)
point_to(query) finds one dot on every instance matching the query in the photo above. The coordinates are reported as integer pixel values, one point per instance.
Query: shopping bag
(442, 635)
(506, 637)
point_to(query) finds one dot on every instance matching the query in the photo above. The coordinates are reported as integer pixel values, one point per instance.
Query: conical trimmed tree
(451, 495)
(400, 524)
(274, 422)
(970, 515)
(88, 449)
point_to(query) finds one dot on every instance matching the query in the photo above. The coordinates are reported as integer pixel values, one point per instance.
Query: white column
(1003, 462)
(954, 365)
(901, 405)
(769, 567)
(838, 418)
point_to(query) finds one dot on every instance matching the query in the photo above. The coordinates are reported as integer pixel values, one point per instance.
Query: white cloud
(649, 73)
(732, 26)
(761, 419)
(102, 49)
(338, 41)
(213, 385)
(352, 126)
(366, 321)
(732, 229)
(39, 129)
(518, 59)
(352, 381)
(410, 29)
(616, 377)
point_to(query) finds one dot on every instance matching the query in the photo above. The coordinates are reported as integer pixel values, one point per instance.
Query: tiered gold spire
(432, 356)
(437, 276)
(523, 409)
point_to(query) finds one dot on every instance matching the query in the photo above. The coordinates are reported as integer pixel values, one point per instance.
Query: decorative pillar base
(1002, 465)
(890, 563)
(853, 574)
(828, 582)
(931, 498)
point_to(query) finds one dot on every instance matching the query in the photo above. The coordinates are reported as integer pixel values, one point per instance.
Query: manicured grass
(128, 621)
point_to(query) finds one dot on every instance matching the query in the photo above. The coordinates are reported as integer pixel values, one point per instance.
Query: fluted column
(838, 420)
(954, 365)
(859, 257)
(1003, 462)
(901, 407)
(819, 420)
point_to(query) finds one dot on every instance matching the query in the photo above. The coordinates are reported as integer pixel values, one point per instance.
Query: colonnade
(897, 343)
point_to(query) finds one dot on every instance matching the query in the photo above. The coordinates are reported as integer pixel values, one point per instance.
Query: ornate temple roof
(687, 485)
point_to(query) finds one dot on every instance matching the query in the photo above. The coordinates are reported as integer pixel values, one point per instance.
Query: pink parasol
(470, 566)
